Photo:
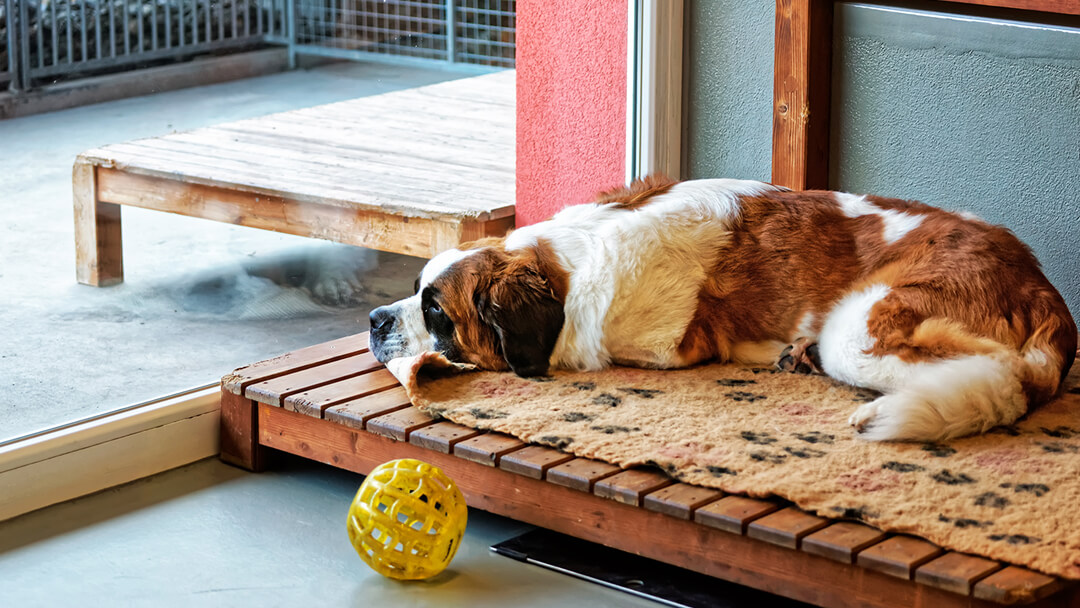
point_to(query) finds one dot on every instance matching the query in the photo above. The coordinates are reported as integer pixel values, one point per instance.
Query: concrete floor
(200, 298)
(212, 535)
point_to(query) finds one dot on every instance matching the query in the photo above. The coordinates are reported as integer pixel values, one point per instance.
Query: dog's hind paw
(801, 357)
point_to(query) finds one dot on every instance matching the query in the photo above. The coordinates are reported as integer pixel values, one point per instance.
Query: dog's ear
(522, 307)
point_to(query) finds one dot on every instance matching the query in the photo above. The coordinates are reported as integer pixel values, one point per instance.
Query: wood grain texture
(956, 572)
(442, 436)
(630, 487)
(275, 390)
(680, 500)
(533, 460)
(240, 433)
(294, 361)
(399, 424)
(733, 513)
(1015, 585)
(739, 559)
(313, 402)
(488, 448)
(355, 413)
(388, 229)
(801, 93)
(842, 541)
(785, 527)
(581, 473)
(898, 556)
(1063, 7)
(99, 258)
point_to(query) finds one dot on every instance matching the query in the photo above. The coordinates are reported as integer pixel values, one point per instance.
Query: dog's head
(483, 305)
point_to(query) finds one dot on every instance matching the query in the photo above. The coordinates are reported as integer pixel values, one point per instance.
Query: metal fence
(42, 41)
(476, 32)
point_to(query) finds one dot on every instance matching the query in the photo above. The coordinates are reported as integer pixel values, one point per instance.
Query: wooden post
(240, 432)
(99, 253)
(801, 93)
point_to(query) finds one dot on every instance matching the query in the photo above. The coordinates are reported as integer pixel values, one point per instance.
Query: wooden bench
(336, 404)
(414, 172)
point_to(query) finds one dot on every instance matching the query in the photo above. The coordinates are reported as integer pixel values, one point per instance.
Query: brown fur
(638, 193)
(958, 286)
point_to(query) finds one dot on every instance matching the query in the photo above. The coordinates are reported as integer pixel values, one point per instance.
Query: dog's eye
(434, 309)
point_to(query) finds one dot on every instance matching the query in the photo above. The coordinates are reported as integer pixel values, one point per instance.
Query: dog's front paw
(864, 415)
(801, 357)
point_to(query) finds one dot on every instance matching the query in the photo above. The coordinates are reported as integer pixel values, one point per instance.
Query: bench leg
(98, 250)
(240, 432)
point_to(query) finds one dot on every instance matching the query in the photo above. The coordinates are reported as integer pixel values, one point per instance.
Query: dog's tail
(1049, 351)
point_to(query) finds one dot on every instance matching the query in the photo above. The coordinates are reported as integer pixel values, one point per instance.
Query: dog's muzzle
(397, 330)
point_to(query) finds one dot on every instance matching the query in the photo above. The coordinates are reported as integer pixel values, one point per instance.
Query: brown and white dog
(950, 317)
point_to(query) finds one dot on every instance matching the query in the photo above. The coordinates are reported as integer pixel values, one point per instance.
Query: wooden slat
(956, 572)
(898, 556)
(399, 424)
(1064, 7)
(801, 93)
(581, 473)
(295, 361)
(1015, 585)
(786, 527)
(442, 436)
(372, 227)
(533, 461)
(630, 487)
(685, 544)
(486, 449)
(680, 500)
(315, 401)
(276, 390)
(733, 513)
(842, 541)
(355, 413)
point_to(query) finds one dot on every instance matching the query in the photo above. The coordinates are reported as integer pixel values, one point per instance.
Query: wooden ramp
(414, 172)
(336, 404)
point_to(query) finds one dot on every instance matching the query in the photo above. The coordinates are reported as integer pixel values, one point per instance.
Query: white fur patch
(925, 401)
(634, 275)
(440, 263)
(896, 223)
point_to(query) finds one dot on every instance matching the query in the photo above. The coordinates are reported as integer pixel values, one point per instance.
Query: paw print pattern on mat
(735, 382)
(611, 429)
(745, 396)
(902, 467)
(938, 450)
(607, 399)
(720, 471)
(556, 441)
(965, 522)
(991, 499)
(952, 479)
(804, 452)
(816, 437)
(1061, 432)
(758, 438)
(1015, 539)
(1037, 489)
(583, 386)
(859, 513)
(770, 457)
(644, 393)
(482, 414)
(577, 417)
(1060, 447)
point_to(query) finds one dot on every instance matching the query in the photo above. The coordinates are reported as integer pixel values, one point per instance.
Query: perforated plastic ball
(407, 519)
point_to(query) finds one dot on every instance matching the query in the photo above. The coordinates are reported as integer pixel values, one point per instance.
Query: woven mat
(1012, 494)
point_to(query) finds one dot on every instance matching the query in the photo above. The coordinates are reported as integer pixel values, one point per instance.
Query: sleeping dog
(949, 317)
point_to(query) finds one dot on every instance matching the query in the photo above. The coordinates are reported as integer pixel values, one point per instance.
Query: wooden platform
(415, 172)
(335, 404)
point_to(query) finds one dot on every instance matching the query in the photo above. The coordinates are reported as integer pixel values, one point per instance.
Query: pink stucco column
(571, 102)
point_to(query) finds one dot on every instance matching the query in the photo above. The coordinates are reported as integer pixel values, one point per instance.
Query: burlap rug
(1012, 494)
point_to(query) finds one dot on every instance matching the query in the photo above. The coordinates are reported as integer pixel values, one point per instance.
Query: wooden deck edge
(99, 157)
(736, 558)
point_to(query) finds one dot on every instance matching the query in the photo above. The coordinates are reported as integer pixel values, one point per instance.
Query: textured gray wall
(728, 106)
(965, 114)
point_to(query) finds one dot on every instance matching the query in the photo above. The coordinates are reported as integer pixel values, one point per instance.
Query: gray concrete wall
(974, 114)
(728, 105)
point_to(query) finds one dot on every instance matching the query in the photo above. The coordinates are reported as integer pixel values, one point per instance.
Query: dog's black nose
(381, 318)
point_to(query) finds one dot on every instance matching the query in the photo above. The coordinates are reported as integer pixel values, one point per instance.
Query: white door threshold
(108, 450)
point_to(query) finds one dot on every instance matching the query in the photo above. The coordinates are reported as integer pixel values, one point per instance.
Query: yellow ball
(407, 519)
